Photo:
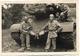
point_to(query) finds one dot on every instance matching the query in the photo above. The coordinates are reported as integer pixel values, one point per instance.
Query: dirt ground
(9, 45)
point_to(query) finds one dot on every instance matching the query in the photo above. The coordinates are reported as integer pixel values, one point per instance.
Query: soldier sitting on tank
(53, 28)
(64, 12)
(51, 9)
(25, 31)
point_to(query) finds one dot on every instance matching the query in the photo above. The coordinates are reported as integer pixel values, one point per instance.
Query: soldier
(25, 31)
(53, 28)
(65, 11)
(51, 9)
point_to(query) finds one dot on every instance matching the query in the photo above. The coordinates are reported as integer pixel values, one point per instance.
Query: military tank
(66, 38)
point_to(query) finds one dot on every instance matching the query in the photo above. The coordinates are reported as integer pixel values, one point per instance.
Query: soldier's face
(51, 8)
(24, 18)
(51, 17)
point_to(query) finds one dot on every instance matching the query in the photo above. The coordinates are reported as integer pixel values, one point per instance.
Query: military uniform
(25, 31)
(52, 34)
(64, 11)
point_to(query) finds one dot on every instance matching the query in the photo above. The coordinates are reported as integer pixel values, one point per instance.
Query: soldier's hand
(62, 14)
(24, 32)
(32, 33)
(41, 32)
(56, 31)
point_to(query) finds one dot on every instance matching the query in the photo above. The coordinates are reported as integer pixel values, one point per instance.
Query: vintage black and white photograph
(39, 27)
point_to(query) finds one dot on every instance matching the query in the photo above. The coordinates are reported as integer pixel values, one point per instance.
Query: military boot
(21, 49)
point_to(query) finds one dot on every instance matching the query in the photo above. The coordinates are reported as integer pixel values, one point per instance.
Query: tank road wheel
(66, 40)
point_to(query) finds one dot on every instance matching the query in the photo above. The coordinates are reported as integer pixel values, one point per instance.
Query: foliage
(11, 15)
(14, 12)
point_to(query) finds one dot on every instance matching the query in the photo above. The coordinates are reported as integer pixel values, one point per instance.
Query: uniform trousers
(25, 36)
(50, 39)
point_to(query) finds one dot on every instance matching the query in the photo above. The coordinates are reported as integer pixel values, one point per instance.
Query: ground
(8, 44)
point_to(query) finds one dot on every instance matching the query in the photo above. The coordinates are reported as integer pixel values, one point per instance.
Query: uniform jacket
(52, 28)
(25, 27)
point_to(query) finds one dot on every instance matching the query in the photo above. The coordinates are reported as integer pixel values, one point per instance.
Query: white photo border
(41, 1)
